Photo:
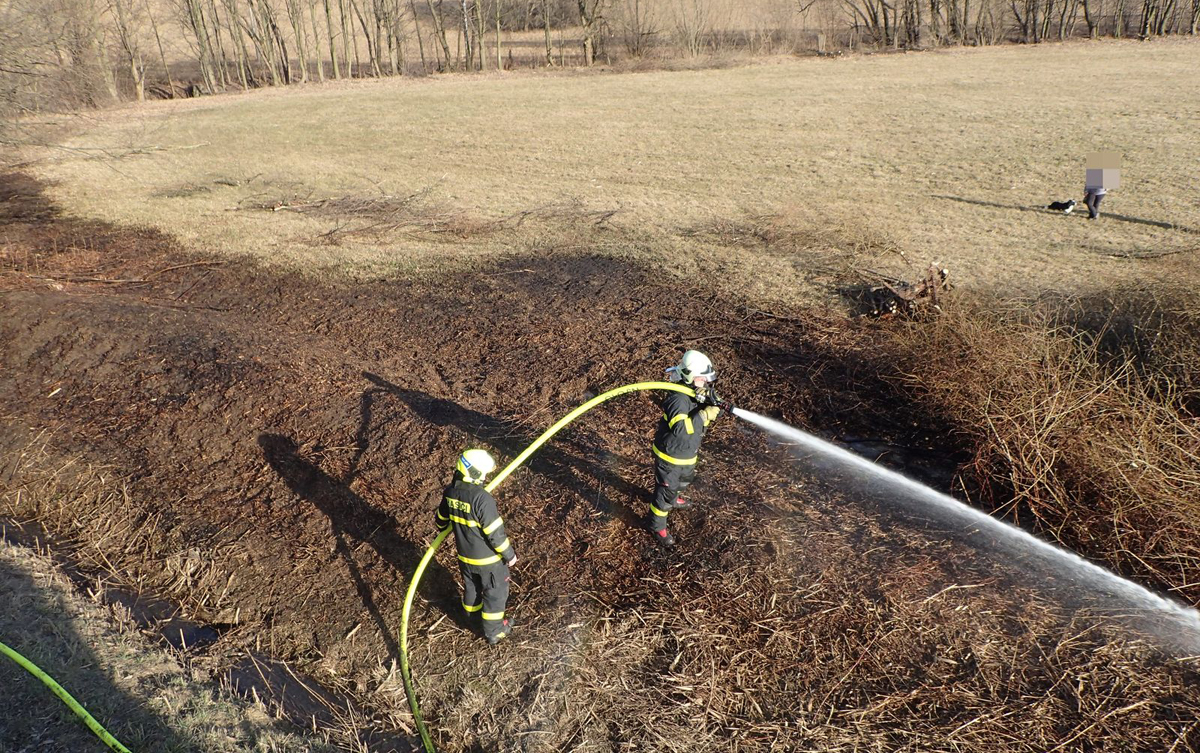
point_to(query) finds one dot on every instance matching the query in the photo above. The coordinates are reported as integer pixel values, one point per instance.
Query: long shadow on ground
(1042, 208)
(37, 622)
(553, 460)
(353, 518)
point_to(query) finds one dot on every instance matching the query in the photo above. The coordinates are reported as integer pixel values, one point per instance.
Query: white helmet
(475, 465)
(693, 364)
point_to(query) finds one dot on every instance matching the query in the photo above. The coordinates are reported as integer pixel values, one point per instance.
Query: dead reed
(1077, 421)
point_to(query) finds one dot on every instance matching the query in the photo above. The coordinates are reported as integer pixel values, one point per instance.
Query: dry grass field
(945, 156)
(276, 318)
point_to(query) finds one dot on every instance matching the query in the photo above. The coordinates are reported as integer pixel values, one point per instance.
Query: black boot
(663, 538)
(506, 629)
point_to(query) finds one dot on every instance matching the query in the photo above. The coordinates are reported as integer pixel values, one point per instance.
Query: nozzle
(725, 405)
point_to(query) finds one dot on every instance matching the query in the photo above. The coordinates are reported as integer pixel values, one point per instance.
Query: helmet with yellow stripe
(475, 465)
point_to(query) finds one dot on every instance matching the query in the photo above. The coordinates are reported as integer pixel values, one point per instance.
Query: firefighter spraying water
(685, 420)
(690, 406)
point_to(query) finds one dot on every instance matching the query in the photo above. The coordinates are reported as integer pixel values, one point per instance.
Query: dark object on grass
(1066, 207)
(895, 297)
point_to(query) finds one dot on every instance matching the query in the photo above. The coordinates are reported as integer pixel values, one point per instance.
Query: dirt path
(281, 441)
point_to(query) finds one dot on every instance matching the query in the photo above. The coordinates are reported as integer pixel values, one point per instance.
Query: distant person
(1103, 174)
(484, 551)
(677, 441)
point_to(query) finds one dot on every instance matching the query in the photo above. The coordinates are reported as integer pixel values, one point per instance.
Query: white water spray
(1182, 622)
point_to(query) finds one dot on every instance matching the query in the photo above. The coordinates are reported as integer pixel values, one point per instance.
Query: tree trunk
(354, 41)
(333, 58)
(264, 44)
(499, 55)
(163, 56)
(195, 22)
(480, 34)
(587, 17)
(373, 47)
(223, 59)
(417, 30)
(347, 38)
(440, 30)
(238, 38)
(1093, 31)
(296, 19)
(316, 40)
(127, 36)
(276, 34)
(468, 57)
(546, 26)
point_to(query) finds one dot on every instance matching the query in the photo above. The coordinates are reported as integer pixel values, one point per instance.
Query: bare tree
(237, 34)
(220, 59)
(316, 40)
(499, 55)
(480, 34)
(128, 33)
(161, 53)
(637, 22)
(439, 29)
(329, 31)
(546, 27)
(878, 16)
(417, 30)
(692, 24)
(295, 13)
(590, 12)
(465, 30)
(195, 22)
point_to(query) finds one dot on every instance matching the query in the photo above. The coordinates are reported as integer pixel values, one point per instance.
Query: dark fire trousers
(485, 590)
(670, 481)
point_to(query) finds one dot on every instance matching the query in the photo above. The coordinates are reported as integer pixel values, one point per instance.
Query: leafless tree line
(916, 23)
(72, 53)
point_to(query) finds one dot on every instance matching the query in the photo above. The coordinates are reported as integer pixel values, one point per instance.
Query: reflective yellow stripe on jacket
(685, 418)
(484, 561)
(671, 460)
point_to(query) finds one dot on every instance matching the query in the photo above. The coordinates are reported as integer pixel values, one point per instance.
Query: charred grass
(265, 449)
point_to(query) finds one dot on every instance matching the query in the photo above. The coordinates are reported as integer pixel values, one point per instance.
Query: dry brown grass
(763, 653)
(139, 691)
(945, 155)
(1079, 419)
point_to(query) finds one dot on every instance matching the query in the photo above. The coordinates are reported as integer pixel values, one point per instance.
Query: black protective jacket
(478, 528)
(681, 430)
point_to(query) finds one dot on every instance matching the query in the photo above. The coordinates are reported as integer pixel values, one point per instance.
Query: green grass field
(940, 155)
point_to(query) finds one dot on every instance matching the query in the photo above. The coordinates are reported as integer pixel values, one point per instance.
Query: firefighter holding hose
(484, 551)
(677, 441)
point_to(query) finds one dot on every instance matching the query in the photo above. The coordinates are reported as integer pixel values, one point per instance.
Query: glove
(710, 413)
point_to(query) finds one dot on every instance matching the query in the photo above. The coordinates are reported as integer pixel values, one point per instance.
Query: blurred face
(700, 381)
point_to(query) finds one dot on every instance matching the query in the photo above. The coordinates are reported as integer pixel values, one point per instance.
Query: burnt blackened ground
(291, 435)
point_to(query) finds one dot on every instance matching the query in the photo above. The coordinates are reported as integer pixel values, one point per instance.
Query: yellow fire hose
(416, 579)
(66, 698)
